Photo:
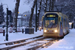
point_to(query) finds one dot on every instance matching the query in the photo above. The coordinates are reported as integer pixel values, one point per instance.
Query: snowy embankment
(67, 43)
(19, 35)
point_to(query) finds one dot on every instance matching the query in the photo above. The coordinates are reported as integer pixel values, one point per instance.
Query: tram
(55, 24)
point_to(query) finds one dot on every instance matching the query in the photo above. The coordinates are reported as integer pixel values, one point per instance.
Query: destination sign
(51, 15)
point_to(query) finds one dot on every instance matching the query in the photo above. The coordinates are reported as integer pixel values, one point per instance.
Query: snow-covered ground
(67, 43)
(19, 36)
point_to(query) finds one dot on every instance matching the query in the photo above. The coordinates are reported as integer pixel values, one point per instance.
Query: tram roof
(57, 12)
(53, 11)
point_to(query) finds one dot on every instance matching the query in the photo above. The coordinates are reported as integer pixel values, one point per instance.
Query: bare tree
(51, 7)
(16, 14)
(32, 11)
(39, 12)
(45, 6)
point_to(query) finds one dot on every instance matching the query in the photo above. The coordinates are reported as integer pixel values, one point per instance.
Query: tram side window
(61, 24)
(65, 22)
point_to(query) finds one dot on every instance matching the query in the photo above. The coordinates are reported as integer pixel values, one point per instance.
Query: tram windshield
(51, 22)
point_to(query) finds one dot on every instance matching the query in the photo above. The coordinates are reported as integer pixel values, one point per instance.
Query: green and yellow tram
(55, 24)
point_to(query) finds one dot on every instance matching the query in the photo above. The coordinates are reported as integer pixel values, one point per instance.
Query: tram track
(36, 44)
(29, 41)
(26, 43)
(18, 43)
(44, 45)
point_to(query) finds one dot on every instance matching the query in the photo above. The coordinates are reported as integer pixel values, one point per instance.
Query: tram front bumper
(51, 34)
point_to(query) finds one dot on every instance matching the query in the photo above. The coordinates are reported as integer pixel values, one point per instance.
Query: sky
(11, 5)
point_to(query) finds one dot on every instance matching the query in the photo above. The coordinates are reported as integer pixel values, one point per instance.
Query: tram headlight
(55, 31)
(45, 30)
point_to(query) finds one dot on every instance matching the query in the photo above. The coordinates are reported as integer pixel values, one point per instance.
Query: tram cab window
(51, 22)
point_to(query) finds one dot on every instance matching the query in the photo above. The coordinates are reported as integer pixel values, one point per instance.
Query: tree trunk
(30, 21)
(39, 12)
(16, 14)
(32, 11)
(51, 7)
(45, 6)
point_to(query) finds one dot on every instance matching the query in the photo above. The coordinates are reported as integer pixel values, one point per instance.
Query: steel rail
(43, 45)
(18, 41)
(20, 44)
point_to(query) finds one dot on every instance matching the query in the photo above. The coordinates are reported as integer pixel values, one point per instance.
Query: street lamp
(6, 23)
